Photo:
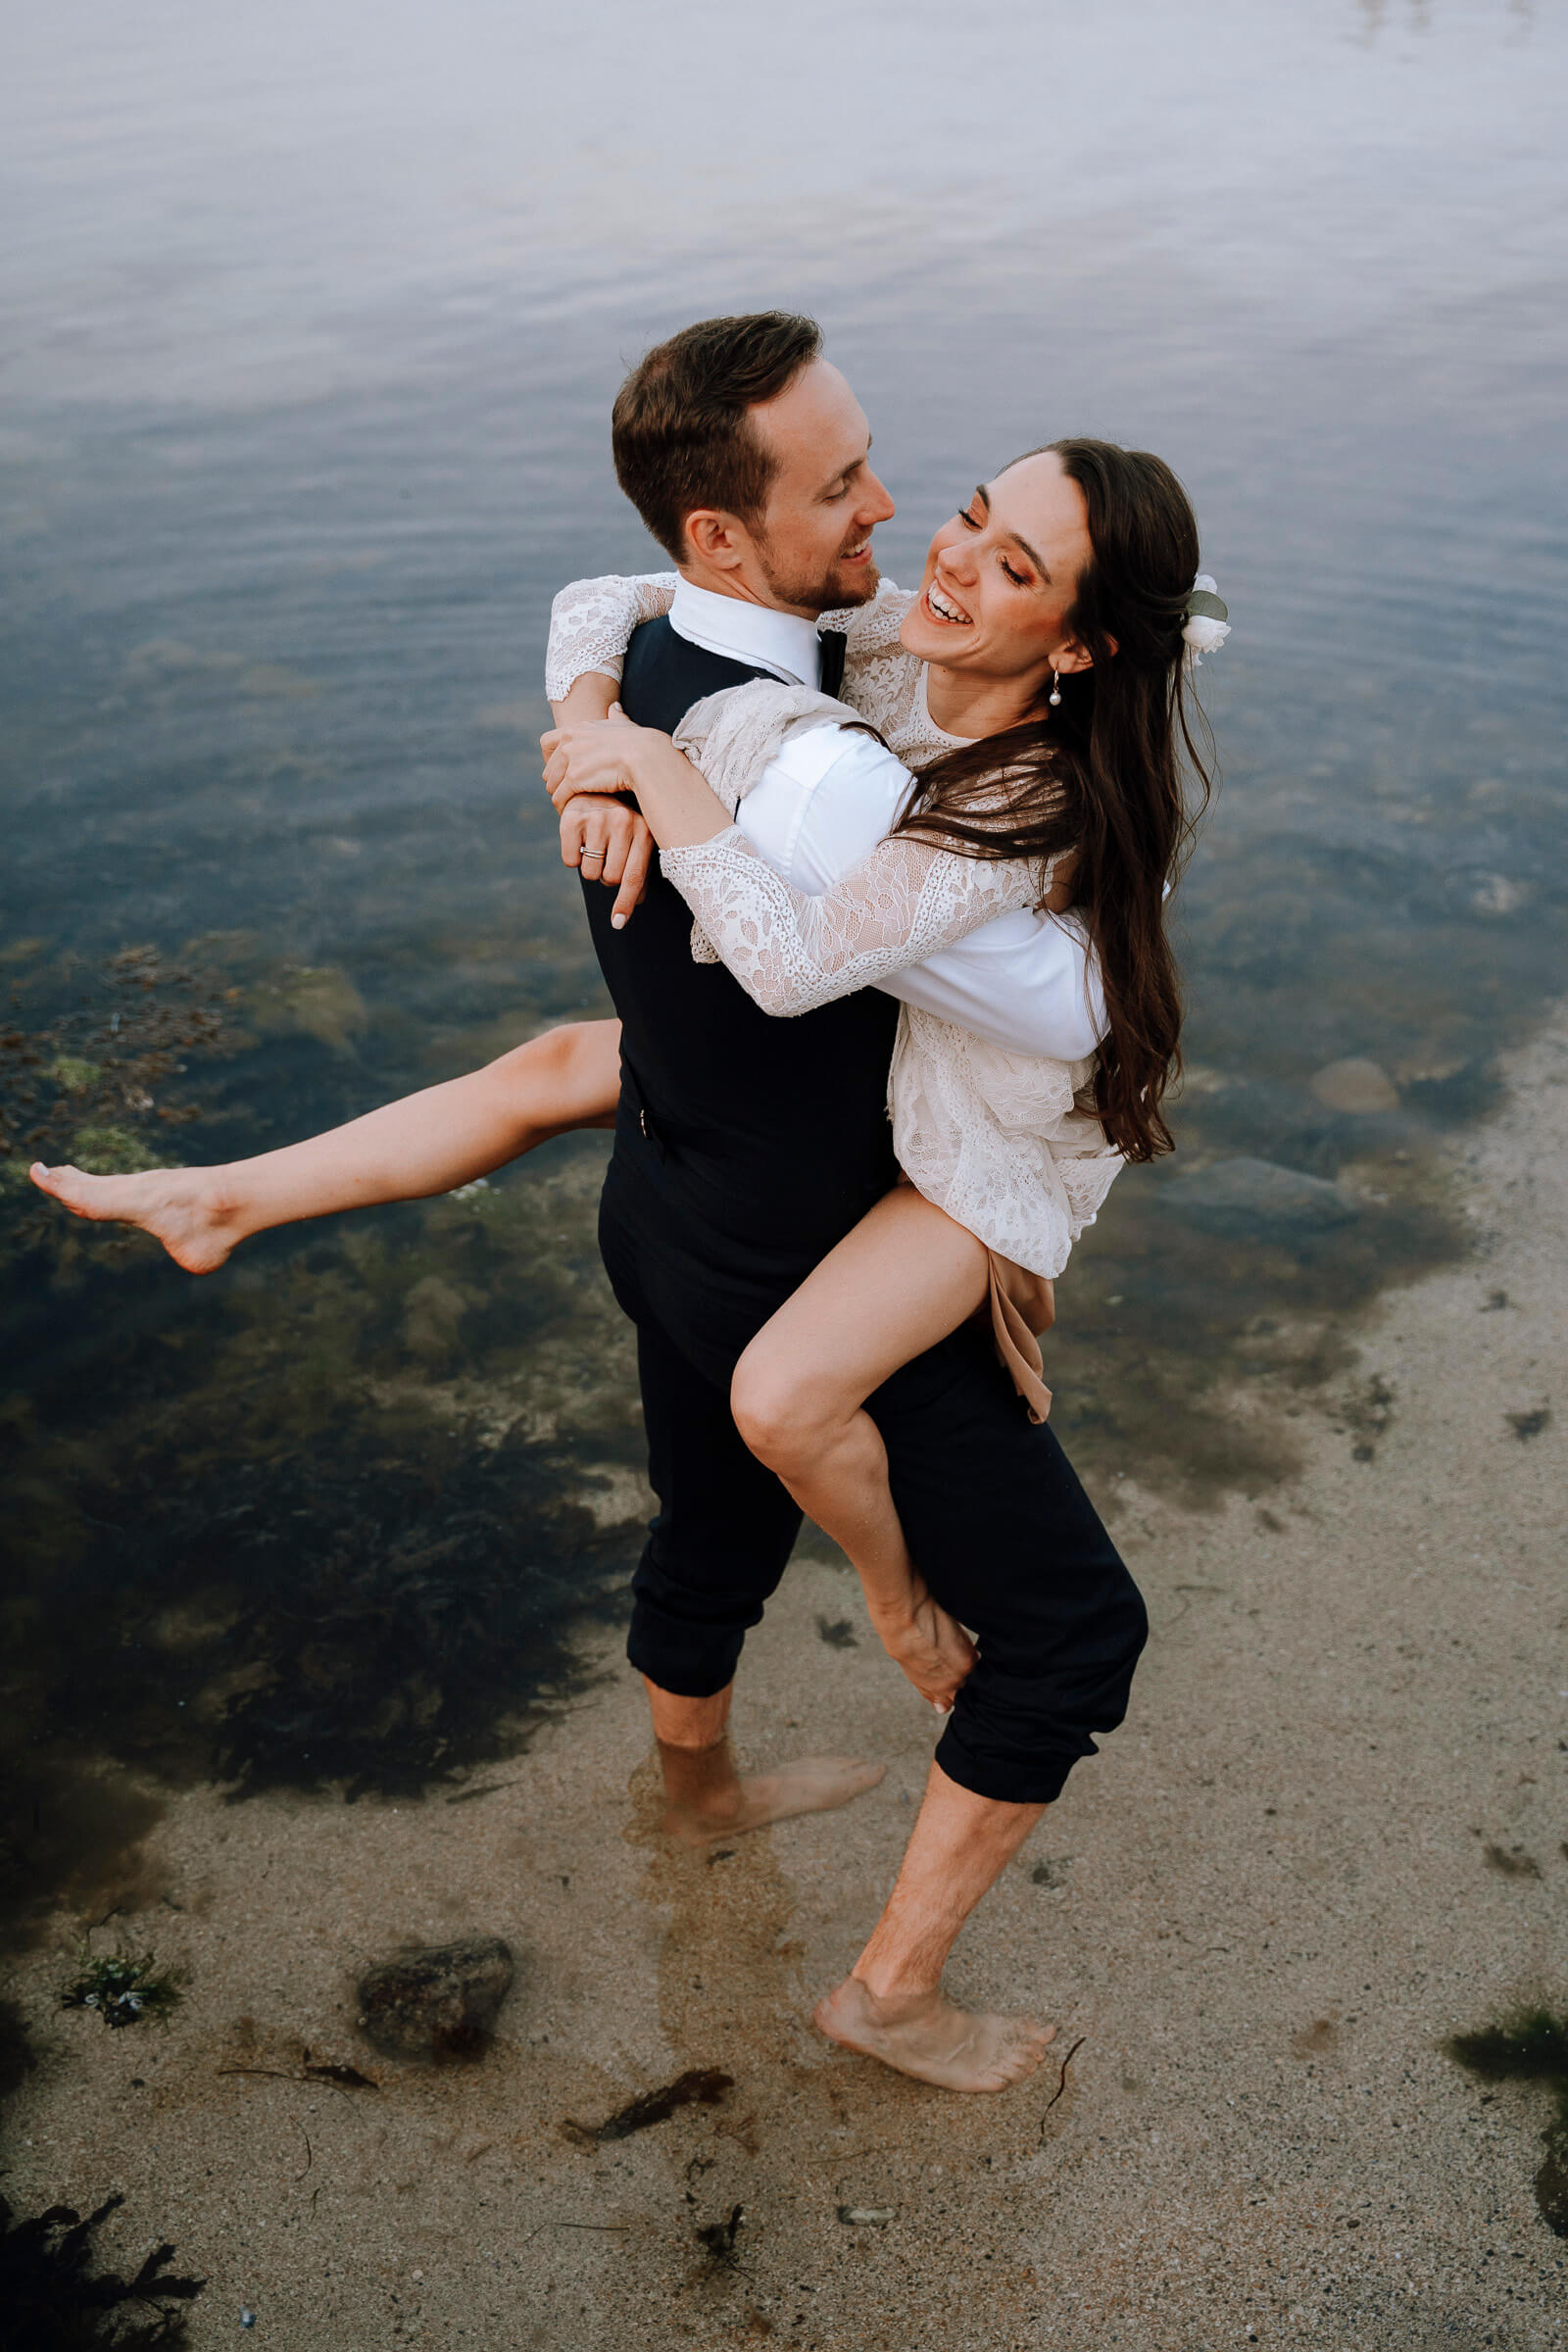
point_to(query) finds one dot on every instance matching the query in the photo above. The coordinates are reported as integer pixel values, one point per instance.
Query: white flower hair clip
(1207, 623)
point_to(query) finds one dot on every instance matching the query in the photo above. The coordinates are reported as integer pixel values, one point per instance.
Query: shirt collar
(781, 643)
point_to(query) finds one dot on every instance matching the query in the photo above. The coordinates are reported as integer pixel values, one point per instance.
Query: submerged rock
(1359, 1086)
(440, 2001)
(1246, 1199)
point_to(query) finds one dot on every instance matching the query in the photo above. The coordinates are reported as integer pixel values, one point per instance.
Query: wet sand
(1334, 1829)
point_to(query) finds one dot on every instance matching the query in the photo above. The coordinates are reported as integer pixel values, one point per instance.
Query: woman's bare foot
(708, 1799)
(184, 1209)
(924, 2036)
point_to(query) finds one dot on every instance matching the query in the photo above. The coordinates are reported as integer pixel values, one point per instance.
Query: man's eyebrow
(1017, 537)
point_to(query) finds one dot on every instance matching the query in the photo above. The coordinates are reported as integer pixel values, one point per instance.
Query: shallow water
(313, 320)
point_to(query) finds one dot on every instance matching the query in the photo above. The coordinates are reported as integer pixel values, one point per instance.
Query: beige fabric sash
(1021, 1305)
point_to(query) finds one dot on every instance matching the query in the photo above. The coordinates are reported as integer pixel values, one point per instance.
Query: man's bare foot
(924, 2036)
(182, 1207)
(707, 1799)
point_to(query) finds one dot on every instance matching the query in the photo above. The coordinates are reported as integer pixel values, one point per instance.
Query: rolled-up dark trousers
(996, 1519)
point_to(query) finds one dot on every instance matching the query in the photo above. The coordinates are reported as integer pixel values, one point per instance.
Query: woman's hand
(610, 755)
(611, 842)
(596, 754)
(930, 1648)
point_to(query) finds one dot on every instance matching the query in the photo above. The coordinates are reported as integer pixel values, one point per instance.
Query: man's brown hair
(680, 433)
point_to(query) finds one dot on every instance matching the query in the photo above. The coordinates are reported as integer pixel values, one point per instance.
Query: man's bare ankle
(896, 1992)
(712, 1805)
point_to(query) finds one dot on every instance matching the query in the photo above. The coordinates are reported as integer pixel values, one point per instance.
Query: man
(746, 1148)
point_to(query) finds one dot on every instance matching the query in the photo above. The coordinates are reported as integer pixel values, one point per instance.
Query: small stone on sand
(440, 2001)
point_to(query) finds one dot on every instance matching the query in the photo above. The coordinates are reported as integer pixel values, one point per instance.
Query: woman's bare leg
(427, 1143)
(891, 2004)
(904, 1278)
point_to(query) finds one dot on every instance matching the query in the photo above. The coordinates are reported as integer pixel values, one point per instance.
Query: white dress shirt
(781, 643)
(1025, 981)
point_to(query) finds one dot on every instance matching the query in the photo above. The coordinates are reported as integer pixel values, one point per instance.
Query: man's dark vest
(768, 1134)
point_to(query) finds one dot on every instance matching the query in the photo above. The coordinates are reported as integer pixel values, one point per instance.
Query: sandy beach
(1333, 1831)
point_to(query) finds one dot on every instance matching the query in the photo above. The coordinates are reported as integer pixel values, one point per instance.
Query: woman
(1038, 677)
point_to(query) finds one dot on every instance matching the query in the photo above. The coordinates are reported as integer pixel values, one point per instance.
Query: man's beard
(820, 592)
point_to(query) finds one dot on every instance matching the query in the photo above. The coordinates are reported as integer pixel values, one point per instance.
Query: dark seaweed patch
(717, 2238)
(1531, 2048)
(55, 2301)
(700, 2086)
(380, 1606)
(248, 1536)
(346, 1614)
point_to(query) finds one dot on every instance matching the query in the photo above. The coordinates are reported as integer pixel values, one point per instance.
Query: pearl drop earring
(1056, 690)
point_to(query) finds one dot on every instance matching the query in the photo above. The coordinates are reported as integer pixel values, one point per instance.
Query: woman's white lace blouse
(1006, 1143)
(978, 1129)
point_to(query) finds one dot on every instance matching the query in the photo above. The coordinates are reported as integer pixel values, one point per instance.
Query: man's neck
(744, 591)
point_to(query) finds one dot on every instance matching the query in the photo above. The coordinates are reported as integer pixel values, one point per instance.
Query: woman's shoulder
(873, 627)
(882, 680)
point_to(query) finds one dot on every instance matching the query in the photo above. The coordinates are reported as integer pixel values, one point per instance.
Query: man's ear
(717, 538)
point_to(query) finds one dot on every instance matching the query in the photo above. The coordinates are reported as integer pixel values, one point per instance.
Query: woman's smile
(942, 607)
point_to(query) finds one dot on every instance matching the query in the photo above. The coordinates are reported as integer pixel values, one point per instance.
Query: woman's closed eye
(977, 522)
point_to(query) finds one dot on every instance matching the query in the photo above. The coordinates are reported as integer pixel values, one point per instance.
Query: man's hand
(609, 843)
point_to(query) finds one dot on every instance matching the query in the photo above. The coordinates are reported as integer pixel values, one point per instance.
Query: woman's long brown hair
(1101, 775)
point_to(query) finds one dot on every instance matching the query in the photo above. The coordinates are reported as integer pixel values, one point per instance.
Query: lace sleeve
(792, 953)
(591, 624)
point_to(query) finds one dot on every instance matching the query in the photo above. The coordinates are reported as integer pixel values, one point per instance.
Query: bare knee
(554, 1055)
(564, 1077)
(778, 1408)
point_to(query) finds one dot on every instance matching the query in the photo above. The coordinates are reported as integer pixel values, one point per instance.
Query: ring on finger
(598, 857)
